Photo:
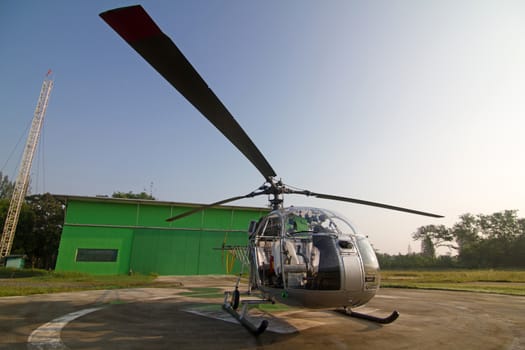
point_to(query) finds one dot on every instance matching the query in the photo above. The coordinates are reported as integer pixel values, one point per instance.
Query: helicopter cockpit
(314, 220)
(308, 248)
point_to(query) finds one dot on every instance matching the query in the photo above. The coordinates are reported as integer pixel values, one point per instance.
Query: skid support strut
(241, 316)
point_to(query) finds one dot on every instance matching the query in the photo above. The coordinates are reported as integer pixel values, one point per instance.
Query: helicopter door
(353, 269)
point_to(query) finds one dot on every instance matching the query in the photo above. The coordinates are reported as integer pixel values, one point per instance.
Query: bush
(416, 261)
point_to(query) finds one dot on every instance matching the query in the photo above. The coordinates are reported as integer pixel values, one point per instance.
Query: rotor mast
(22, 180)
(275, 194)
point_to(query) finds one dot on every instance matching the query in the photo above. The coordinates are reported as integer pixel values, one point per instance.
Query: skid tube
(383, 320)
(241, 317)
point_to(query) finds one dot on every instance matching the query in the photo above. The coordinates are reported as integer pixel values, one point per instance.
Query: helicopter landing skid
(383, 320)
(241, 317)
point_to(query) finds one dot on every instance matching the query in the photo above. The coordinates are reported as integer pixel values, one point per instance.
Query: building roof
(107, 199)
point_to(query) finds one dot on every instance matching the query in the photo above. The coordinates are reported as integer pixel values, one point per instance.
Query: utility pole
(22, 180)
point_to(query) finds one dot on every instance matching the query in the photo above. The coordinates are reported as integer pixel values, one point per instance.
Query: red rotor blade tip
(132, 23)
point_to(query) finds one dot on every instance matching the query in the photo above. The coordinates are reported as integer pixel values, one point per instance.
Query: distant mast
(22, 180)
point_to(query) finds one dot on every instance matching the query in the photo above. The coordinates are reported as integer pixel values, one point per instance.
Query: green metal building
(118, 236)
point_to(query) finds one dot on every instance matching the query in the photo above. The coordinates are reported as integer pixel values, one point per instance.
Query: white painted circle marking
(47, 336)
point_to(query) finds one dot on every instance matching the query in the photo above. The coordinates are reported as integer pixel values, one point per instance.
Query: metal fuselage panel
(319, 299)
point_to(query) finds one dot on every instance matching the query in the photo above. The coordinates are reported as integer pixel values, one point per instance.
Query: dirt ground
(190, 317)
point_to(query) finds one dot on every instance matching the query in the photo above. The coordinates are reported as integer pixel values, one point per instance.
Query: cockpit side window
(273, 227)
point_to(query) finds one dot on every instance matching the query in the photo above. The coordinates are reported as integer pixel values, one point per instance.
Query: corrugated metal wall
(181, 252)
(146, 243)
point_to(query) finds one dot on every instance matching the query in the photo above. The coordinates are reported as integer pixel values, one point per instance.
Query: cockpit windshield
(314, 220)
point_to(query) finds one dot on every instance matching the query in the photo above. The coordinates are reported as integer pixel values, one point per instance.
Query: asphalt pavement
(190, 317)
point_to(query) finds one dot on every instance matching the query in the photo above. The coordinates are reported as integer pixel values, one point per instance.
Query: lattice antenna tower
(22, 180)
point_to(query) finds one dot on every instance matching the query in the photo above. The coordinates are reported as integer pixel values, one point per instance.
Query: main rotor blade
(137, 28)
(363, 202)
(204, 207)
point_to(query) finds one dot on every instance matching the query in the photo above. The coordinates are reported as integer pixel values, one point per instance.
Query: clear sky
(412, 103)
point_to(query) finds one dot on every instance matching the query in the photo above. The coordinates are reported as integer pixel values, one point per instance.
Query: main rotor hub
(275, 189)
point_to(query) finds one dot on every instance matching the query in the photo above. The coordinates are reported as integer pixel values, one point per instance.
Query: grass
(509, 282)
(27, 282)
(17, 273)
(204, 292)
(274, 307)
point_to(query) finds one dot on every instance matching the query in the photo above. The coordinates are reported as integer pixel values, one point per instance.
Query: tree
(501, 230)
(131, 195)
(6, 187)
(24, 227)
(40, 243)
(427, 247)
(503, 225)
(466, 232)
(38, 230)
(432, 237)
(495, 240)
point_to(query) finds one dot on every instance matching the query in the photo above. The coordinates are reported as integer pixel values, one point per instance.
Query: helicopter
(301, 256)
